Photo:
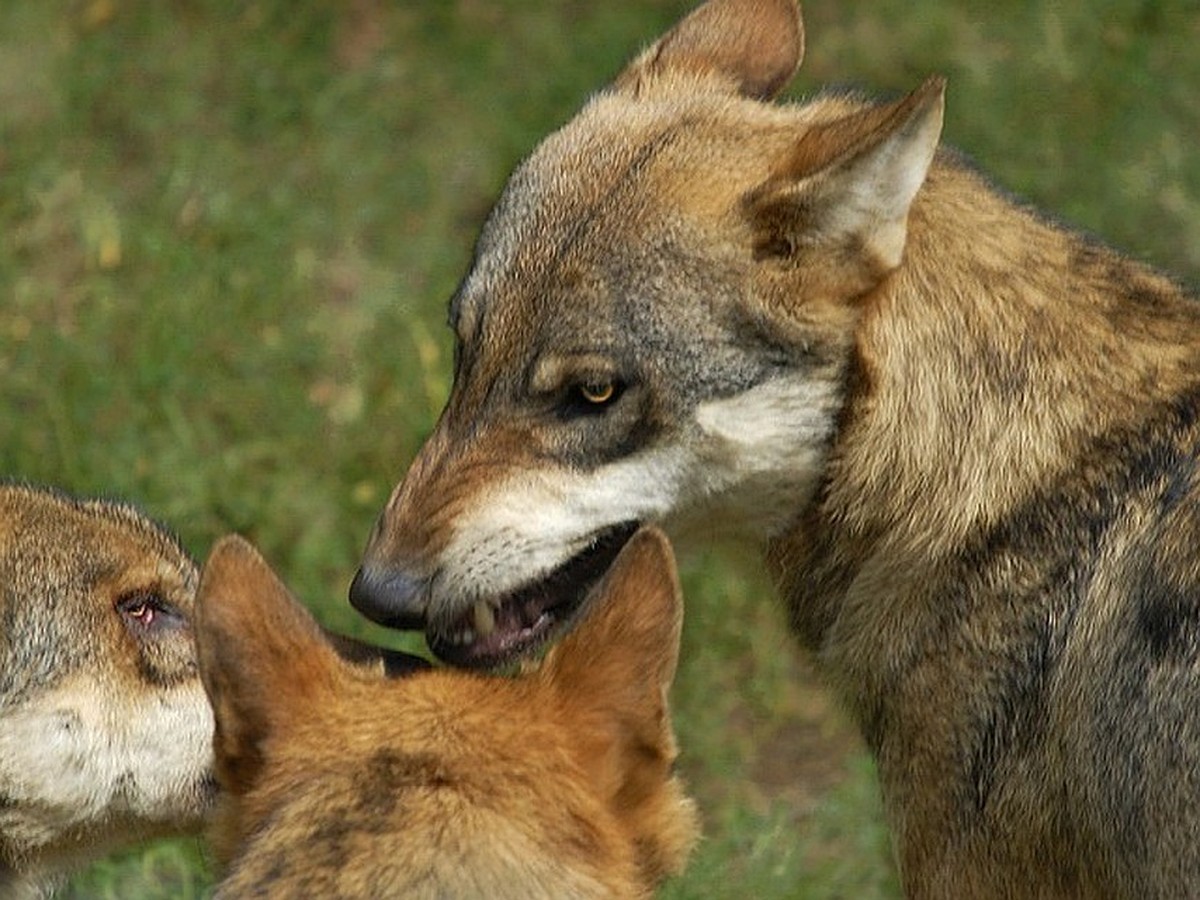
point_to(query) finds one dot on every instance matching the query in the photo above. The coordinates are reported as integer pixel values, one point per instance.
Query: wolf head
(105, 731)
(655, 328)
(340, 781)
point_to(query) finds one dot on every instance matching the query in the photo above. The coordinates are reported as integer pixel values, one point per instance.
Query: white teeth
(459, 638)
(485, 618)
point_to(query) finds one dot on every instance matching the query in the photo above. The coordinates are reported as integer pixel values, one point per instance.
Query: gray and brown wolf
(105, 730)
(965, 437)
(342, 782)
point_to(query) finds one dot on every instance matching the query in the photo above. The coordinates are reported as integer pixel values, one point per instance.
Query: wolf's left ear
(756, 44)
(263, 659)
(838, 204)
(625, 650)
(611, 677)
(618, 664)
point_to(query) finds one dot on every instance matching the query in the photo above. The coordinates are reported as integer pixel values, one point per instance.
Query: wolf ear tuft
(847, 186)
(756, 44)
(262, 657)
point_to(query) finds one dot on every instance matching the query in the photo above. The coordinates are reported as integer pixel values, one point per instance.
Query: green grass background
(228, 231)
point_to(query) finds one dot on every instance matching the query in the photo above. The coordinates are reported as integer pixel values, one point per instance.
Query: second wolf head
(342, 782)
(105, 732)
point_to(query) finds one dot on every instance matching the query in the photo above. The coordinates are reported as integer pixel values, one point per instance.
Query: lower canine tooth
(485, 618)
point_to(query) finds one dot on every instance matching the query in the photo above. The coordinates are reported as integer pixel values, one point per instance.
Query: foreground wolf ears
(263, 657)
(258, 645)
(847, 184)
(635, 616)
(262, 653)
(599, 703)
(622, 657)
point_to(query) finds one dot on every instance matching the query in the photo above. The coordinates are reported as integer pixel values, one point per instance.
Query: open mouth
(498, 630)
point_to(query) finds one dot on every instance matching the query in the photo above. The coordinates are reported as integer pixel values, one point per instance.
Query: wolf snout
(390, 597)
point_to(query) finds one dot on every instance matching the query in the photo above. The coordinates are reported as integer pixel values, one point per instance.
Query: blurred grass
(228, 231)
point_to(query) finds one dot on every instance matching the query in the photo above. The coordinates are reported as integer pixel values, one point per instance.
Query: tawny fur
(966, 436)
(342, 783)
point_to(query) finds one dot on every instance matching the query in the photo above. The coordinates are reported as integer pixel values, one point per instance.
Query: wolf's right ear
(756, 44)
(611, 675)
(836, 210)
(262, 657)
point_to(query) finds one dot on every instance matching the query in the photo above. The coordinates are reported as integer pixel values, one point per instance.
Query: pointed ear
(847, 187)
(756, 44)
(262, 656)
(627, 646)
(618, 664)
(611, 675)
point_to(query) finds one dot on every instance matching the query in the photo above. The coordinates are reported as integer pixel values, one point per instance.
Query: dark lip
(531, 615)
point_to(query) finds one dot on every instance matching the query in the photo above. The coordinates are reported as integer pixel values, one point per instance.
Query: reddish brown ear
(627, 646)
(262, 656)
(756, 44)
(614, 670)
(611, 677)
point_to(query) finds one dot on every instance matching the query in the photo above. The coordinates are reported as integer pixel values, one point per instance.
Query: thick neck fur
(16, 885)
(985, 365)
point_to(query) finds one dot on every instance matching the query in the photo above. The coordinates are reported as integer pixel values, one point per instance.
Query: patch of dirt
(805, 753)
(361, 34)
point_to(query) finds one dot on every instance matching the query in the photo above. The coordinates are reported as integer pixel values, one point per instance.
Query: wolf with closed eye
(965, 437)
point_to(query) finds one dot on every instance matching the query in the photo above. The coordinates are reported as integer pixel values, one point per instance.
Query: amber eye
(598, 392)
(593, 397)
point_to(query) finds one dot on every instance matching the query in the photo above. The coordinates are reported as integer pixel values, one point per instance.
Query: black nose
(389, 597)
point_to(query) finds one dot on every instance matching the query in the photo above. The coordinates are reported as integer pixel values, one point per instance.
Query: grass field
(228, 231)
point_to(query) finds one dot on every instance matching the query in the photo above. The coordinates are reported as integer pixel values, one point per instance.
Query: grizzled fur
(105, 731)
(966, 438)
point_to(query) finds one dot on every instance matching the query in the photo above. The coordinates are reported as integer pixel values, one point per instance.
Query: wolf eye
(147, 611)
(598, 393)
(587, 398)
